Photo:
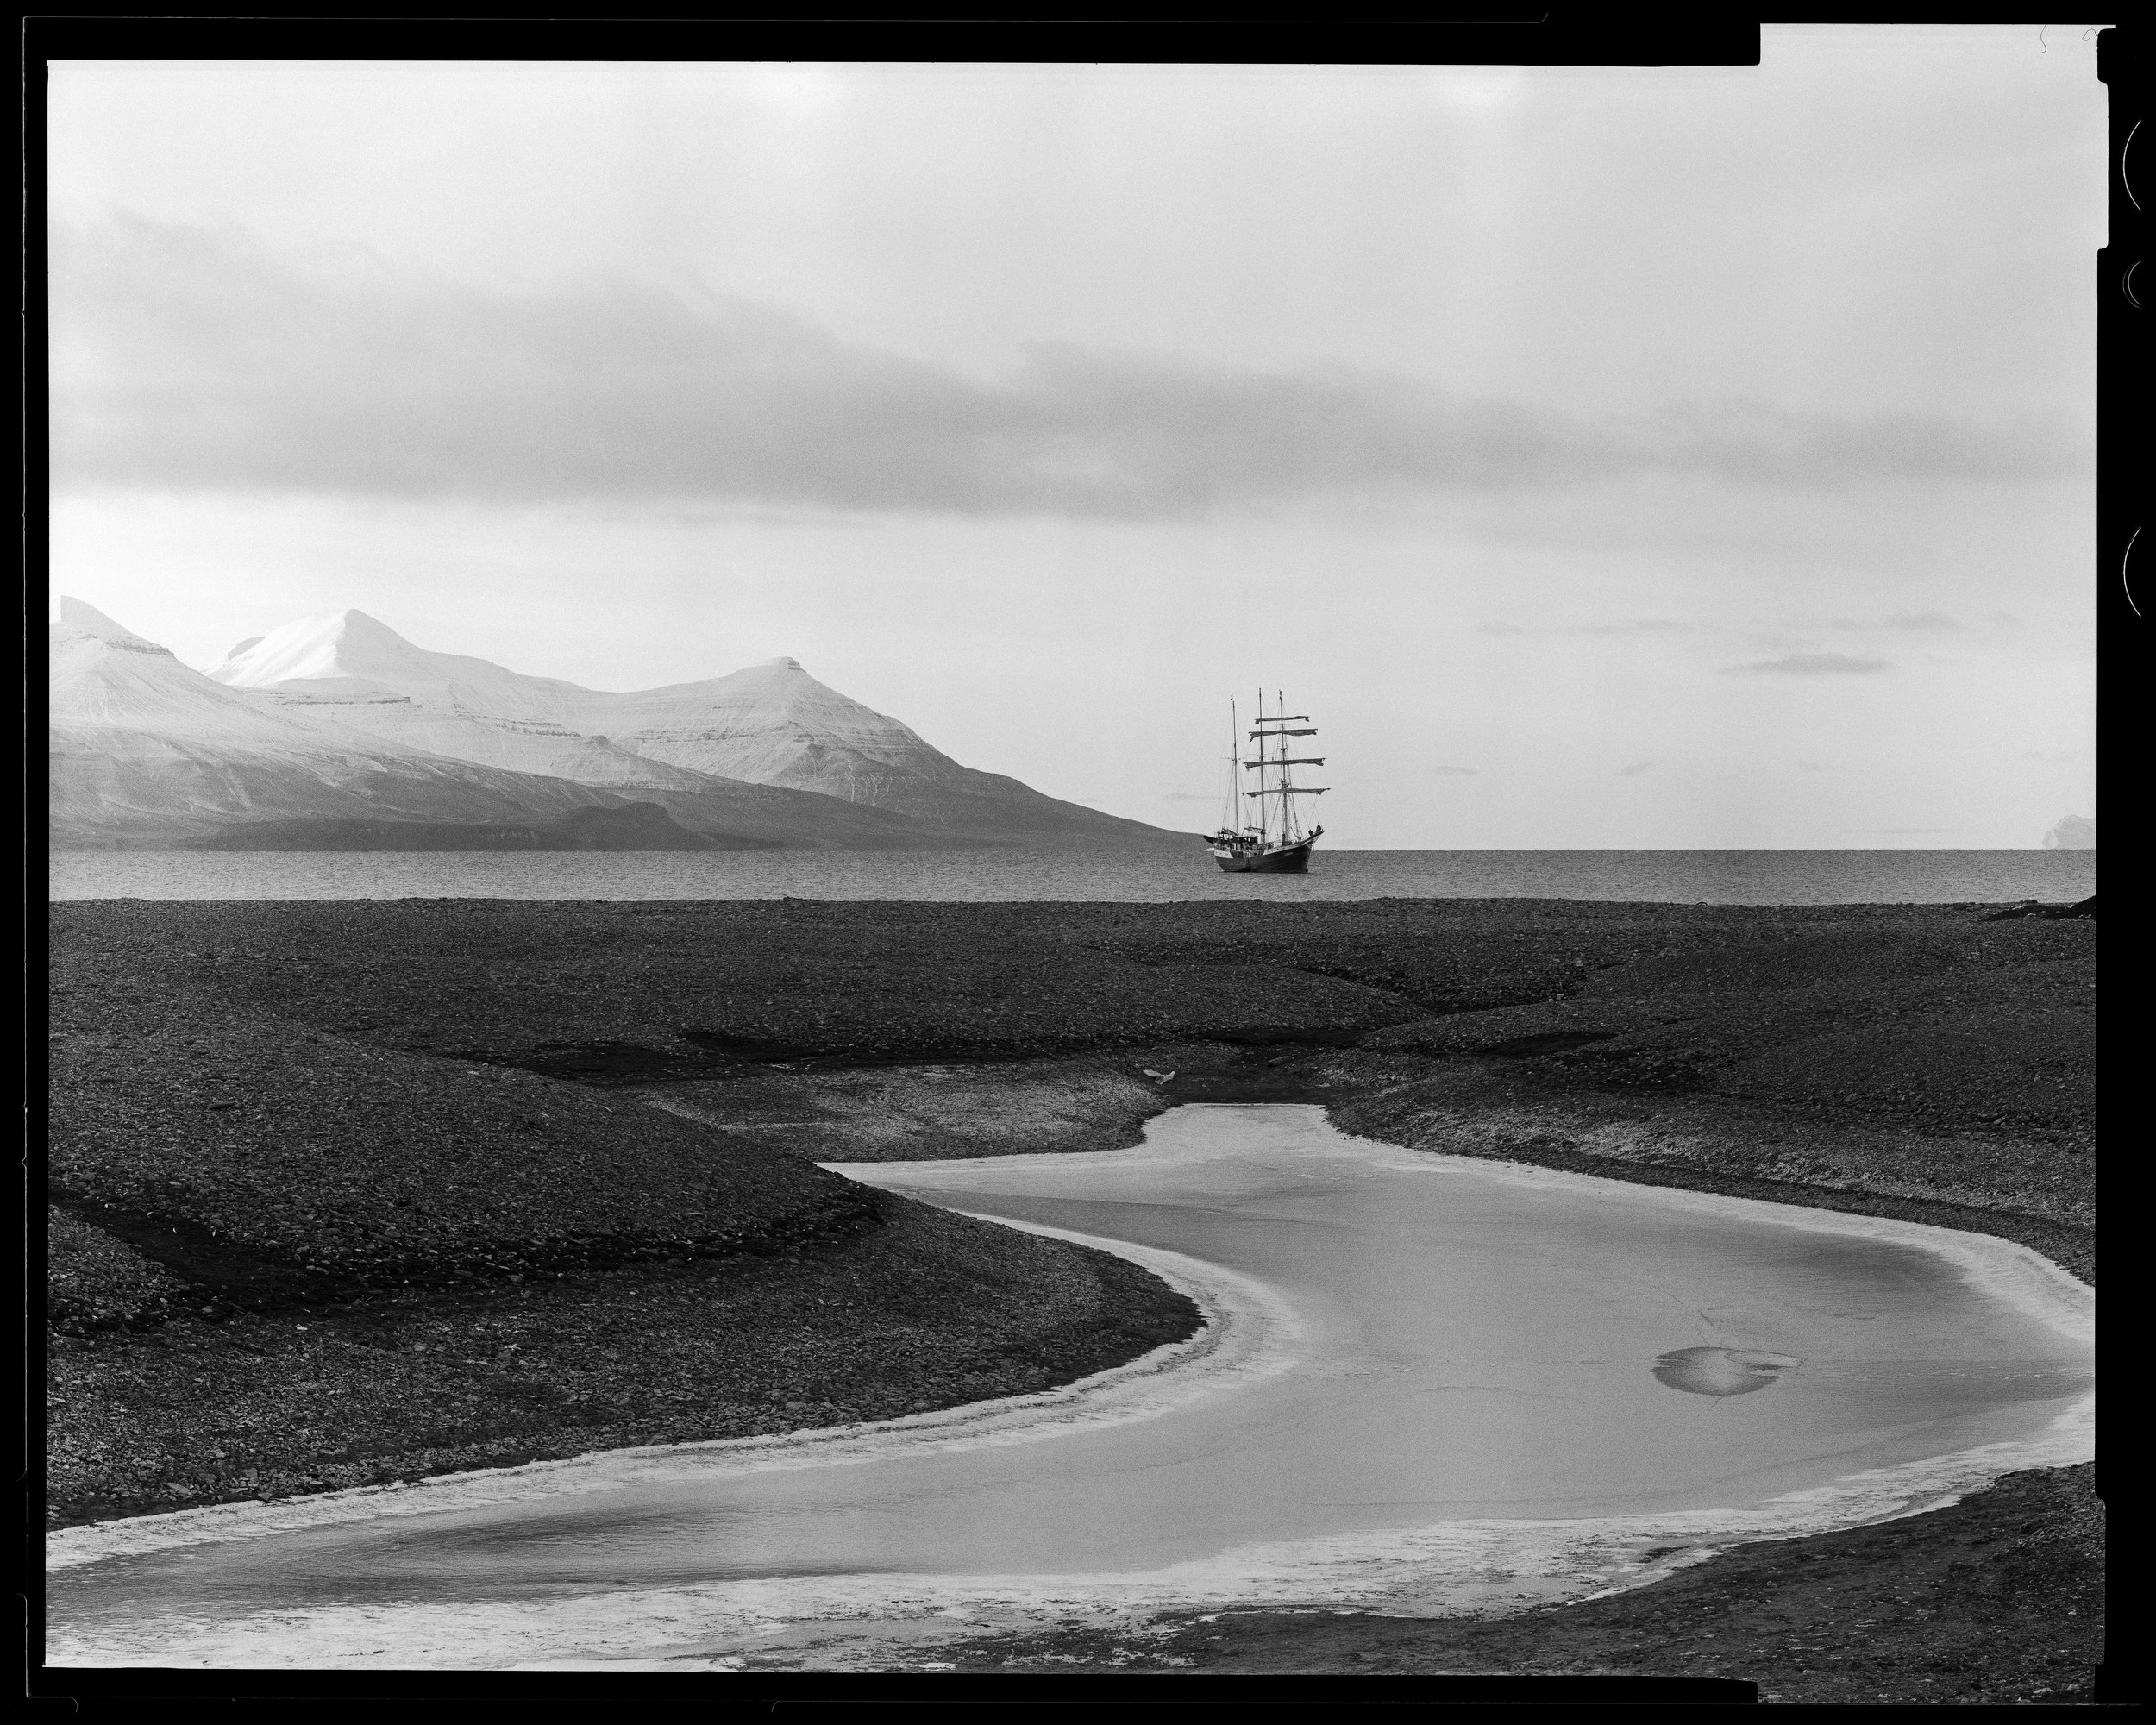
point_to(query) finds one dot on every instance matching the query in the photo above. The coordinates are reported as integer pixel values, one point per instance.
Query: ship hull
(1286, 859)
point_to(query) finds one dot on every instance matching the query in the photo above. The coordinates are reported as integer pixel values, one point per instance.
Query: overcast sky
(1604, 458)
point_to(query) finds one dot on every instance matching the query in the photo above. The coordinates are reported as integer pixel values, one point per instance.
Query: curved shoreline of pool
(1481, 1563)
(1244, 1327)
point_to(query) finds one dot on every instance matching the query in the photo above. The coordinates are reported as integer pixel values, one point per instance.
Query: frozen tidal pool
(1427, 1383)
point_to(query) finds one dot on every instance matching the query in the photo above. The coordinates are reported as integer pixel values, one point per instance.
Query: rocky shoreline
(926, 1310)
(349, 1192)
(1992, 1600)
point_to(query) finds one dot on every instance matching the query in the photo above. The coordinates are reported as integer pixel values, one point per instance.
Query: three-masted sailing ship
(1274, 844)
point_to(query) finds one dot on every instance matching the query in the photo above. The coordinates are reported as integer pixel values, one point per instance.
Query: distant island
(2074, 832)
(336, 732)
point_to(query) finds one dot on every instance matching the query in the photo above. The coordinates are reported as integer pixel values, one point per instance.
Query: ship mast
(1232, 817)
(1290, 826)
(1279, 724)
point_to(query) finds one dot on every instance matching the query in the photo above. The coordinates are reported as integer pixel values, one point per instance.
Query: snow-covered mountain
(771, 724)
(352, 670)
(143, 748)
(349, 652)
(774, 723)
(145, 751)
(341, 722)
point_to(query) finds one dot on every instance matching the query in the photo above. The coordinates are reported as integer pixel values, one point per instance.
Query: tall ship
(1275, 843)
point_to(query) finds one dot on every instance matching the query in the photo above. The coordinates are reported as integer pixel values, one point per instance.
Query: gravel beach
(354, 1191)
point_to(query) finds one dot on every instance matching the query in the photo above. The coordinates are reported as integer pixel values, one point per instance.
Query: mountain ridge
(142, 747)
(769, 723)
(339, 720)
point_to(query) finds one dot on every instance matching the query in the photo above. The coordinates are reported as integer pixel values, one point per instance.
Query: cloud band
(188, 358)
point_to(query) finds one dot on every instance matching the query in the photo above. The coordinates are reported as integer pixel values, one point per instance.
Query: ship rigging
(1276, 842)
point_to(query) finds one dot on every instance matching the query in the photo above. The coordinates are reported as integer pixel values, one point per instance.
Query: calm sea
(1720, 877)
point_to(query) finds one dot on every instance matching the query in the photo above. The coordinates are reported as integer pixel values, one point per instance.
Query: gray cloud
(1188, 797)
(1811, 665)
(1642, 625)
(1457, 772)
(1810, 767)
(1901, 620)
(1634, 770)
(188, 358)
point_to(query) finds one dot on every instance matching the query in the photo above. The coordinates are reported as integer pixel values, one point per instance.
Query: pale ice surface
(1427, 1383)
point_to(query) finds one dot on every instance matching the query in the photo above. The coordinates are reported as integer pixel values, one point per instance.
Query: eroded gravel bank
(925, 1310)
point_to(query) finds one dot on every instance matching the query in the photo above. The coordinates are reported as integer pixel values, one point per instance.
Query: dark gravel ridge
(1923, 1014)
(266, 1163)
(95, 1281)
(931, 1310)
